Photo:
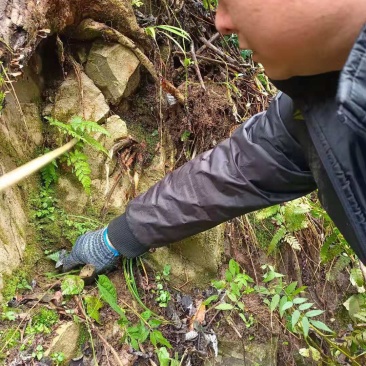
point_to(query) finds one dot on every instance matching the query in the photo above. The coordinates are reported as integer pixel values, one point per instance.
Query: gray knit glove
(92, 248)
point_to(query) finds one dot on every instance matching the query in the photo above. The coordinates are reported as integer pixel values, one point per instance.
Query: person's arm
(259, 166)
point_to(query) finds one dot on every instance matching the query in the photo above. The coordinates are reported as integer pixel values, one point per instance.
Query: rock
(68, 101)
(231, 353)
(20, 134)
(114, 69)
(195, 259)
(66, 341)
(74, 198)
(118, 130)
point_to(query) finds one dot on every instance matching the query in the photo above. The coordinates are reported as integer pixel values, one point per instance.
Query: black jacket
(314, 136)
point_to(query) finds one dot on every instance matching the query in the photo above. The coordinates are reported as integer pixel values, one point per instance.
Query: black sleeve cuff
(122, 238)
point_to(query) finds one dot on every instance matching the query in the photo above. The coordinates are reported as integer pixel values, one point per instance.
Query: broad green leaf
(72, 285)
(306, 306)
(313, 313)
(163, 356)
(93, 305)
(109, 294)
(290, 288)
(234, 267)
(299, 300)
(211, 299)
(240, 305)
(224, 306)
(305, 326)
(320, 325)
(232, 296)
(284, 307)
(298, 290)
(283, 301)
(154, 323)
(274, 302)
(295, 318)
(146, 315)
(156, 337)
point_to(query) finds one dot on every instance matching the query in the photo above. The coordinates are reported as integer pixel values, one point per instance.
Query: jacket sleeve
(260, 165)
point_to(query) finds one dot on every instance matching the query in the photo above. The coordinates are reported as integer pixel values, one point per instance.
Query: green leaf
(240, 305)
(277, 237)
(163, 356)
(306, 306)
(267, 212)
(313, 313)
(234, 267)
(356, 277)
(283, 301)
(156, 337)
(295, 318)
(320, 325)
(299, 300)
(305, 326)
(109, 294)
(72, 285)
(93, 305)
(284, 307)
(232, 297)
(211, 299)
(274, 302)
(224, 306)
(146, 315)
(290, 288)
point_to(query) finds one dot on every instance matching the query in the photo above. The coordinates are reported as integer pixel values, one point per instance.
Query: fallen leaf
(199, 317)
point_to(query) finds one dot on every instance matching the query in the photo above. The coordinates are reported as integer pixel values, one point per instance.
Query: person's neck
(346, 30)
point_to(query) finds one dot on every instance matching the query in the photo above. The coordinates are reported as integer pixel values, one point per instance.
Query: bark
(24, 23)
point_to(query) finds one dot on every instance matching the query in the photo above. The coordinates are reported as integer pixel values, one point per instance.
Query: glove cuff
(109, 244)
(122, 238)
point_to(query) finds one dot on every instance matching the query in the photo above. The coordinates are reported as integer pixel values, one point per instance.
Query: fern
(277, 237)
(267, 212)
(341, 263)
(80, 166)
(49, 173)
(81, 130)
(292, 241)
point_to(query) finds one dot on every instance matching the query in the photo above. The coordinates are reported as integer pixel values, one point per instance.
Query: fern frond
(81, 168)
(49, 173)
(341, 263)
(292, 241)
(277, 237)
(82, 126)
(267, 212)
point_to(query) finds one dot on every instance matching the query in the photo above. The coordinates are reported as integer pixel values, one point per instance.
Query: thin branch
(197, 67)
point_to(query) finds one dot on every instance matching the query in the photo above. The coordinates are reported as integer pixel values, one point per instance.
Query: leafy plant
(38, 353)
(163, 295)
(235, 285)
(58, 358)
(135, 334)
(72, 285)
(289, 219)
(81, 130)
(165, 359)
(169, 31)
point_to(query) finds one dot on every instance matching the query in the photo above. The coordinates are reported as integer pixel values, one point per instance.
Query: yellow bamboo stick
(9, 179)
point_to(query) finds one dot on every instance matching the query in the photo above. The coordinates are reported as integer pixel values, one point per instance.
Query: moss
(264, 230)
(46, 317)
(83, 337)
(10, 337)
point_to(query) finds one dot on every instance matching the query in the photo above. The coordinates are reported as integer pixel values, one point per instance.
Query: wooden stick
(18, 174)
(197, 67)
(218, 51)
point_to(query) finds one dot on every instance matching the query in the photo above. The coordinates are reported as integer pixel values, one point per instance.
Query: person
(313, 136)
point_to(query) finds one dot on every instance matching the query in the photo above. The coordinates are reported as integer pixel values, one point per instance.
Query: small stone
(66, 341)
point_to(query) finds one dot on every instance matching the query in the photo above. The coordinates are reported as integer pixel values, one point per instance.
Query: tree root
(89, 29)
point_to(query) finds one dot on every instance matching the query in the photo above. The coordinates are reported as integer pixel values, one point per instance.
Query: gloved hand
(92, 248)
